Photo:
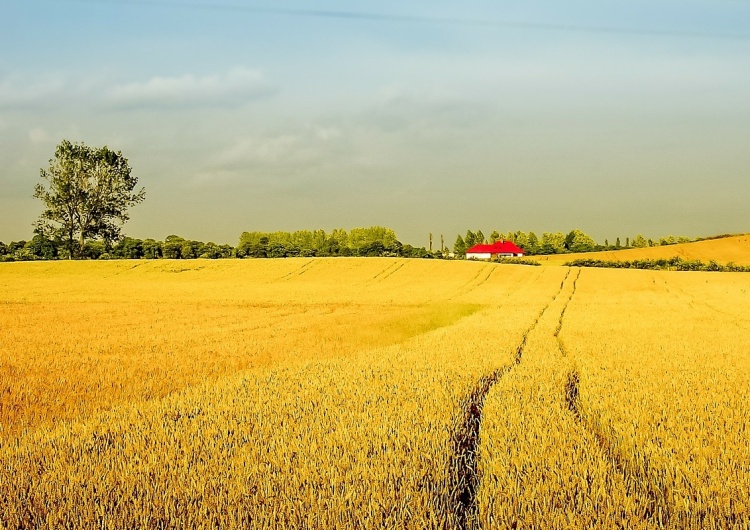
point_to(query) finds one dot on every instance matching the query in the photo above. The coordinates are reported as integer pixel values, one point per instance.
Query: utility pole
(430, 241)
(442, 243)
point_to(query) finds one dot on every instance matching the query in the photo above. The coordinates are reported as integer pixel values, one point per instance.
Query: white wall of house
(487, 255)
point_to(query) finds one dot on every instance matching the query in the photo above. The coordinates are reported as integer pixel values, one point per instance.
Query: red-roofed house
(499, 249)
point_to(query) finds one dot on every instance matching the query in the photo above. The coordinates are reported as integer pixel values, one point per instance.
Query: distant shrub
(671, 264)
(518, 261)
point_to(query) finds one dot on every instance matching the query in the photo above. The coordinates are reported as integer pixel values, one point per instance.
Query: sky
(616, 118)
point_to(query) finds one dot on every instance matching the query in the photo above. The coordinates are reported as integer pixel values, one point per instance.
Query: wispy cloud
(225, 89)
(234, 88)
(18, 92)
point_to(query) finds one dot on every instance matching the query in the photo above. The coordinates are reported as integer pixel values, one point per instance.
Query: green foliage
(640, 242)
(152, 249)
(521, 239)
(459, 247)
(94, 250)
(373, 241)
(518, 261)
(559, 243)
(673, 264)
(41, 247)
(190, 249)
(470, 239)
(86, 194)
(552, 243)
(532, 245)
(172, 248)
(128, 248)
(577, 241)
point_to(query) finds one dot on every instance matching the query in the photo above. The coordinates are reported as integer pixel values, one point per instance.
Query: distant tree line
(373, 241)
(672, 264)
(558, 242)
(367, 242)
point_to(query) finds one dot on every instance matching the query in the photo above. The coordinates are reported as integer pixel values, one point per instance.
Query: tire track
(525, 337)
(556, 334)
(460, 290)
(684, 296)
(464, 476)
(391, 273)
(377, 278)
(300, 270)
(634, 470)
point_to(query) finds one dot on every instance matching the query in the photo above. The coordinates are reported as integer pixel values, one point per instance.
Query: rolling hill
(733, 248)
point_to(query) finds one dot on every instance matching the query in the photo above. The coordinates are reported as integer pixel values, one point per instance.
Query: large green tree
(577, 241)
(86, 194)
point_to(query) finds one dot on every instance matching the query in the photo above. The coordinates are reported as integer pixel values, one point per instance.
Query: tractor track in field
(460, 291)
(383, 273)
(678, 292)
(298, 271)
(390, 273)
(464, 474)
(556, 334)
(656, 508)
(633, 469)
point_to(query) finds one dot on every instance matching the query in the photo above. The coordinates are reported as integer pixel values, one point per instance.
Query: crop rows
(371, 393)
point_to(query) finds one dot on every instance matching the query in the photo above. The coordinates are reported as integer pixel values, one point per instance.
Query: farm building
(499, 249)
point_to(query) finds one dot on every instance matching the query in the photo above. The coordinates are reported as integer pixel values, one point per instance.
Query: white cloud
(230, 89)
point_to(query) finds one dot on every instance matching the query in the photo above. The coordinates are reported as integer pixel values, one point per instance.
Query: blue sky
(613, 117)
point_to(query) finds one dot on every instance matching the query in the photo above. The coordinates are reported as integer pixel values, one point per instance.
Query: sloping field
(734, 249)
(371, 393)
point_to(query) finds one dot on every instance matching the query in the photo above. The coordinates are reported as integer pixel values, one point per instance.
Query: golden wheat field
(372, 393)
(735, 249)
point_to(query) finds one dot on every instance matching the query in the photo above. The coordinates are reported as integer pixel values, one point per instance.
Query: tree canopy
(86, 194)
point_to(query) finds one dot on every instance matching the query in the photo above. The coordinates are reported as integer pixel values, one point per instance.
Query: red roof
(499, 247)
